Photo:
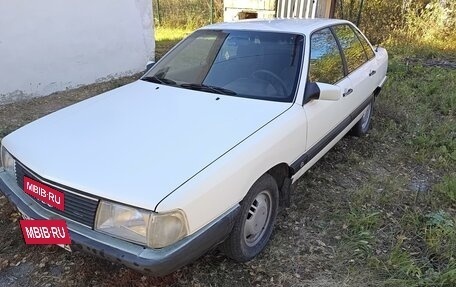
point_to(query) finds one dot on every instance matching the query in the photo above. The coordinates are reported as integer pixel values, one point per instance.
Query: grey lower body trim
(319, 146)
(152, 261)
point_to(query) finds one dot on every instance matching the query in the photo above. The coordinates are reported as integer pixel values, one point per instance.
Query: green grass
(414, 227)
(446, 190)
(167, 34)
(422, 108)
(435, 264)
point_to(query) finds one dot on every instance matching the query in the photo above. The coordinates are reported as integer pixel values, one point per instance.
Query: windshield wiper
(210, 89)
(155, 79)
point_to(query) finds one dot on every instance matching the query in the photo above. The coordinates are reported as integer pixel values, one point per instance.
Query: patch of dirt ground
(303, 250)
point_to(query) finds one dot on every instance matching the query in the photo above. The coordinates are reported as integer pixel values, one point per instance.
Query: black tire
(363, 125)
(241, 246)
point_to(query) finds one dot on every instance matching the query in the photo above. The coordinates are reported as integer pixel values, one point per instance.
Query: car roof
(299, 26)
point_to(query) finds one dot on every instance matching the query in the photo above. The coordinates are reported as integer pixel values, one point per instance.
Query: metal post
(290, 9)
(301, 9)
(314, 8)
(158, 13)
(308, 9)
(212, 11)
(358, 20)
(283, 14)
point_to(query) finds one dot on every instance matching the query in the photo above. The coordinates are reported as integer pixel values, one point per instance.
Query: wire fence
(187, 13)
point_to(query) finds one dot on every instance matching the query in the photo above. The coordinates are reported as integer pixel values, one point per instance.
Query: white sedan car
(205, 147)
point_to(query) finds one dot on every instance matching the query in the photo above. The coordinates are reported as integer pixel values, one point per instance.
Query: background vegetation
(430, 19)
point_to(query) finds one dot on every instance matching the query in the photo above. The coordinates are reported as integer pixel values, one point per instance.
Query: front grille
(77, 207)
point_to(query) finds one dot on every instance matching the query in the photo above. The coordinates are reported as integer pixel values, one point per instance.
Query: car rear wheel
(253, 227)
(362, 126)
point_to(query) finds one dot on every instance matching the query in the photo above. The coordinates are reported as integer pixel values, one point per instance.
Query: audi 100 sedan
(204, 149)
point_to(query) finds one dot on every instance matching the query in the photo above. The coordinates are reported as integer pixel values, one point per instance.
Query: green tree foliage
(376, 15)
(380, 19)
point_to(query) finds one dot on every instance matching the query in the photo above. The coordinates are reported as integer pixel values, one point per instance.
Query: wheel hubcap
(258, 218)
(366, 117)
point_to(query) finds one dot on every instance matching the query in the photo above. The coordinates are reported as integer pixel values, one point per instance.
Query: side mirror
(312, 92)
(149, 65)
(321, 91)
(329, 92)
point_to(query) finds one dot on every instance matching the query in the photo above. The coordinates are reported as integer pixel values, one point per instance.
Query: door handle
(347, 92)
(372, 73)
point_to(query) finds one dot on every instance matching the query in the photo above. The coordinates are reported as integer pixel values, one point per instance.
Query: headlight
(7, 162)
(155, 230)
(167, 228)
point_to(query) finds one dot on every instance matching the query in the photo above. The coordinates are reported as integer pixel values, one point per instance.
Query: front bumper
(152, 261)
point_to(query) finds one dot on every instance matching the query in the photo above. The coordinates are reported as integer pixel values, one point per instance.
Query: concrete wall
(52, 45)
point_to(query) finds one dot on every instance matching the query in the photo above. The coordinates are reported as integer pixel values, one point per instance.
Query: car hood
(139, 142)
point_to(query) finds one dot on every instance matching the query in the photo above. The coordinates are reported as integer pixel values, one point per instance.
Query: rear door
(359, 65)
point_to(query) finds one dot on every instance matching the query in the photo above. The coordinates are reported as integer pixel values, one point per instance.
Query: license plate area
(65, 246)
(44, 193)
(24, 216)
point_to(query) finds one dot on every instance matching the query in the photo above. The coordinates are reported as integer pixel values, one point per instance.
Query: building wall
(265, 9)
(53, 45)
(234, 9)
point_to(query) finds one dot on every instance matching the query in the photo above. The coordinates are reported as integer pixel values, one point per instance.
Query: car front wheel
(253, 227)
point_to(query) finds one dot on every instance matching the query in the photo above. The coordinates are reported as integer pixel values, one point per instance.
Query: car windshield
(251, 64)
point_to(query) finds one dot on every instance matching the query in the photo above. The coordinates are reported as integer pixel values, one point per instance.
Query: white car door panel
(324, 116)
(361, 70)
(363, 86)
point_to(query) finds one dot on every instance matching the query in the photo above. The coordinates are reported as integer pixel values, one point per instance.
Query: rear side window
(326, 64)
(367, 48)
(351, 46)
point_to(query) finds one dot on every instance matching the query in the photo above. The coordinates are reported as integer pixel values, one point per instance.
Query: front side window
(252, 64)
(351, 47)
(326, 64)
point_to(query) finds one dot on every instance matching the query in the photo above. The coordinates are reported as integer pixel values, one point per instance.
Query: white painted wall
(52, 45)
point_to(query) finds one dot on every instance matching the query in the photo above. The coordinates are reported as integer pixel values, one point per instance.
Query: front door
(326, 66)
